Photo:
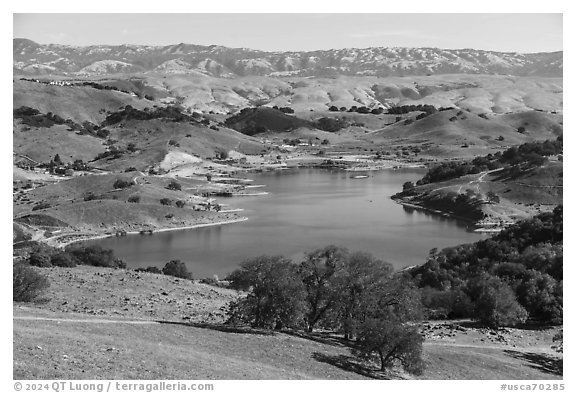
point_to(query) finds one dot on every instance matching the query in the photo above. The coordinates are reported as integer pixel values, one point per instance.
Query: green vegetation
(166, 201)
(403, 109)
(331, 124)
(44, 256)
(27, 284)
(174, 185)
(121, 183)
(251, 121)
(392, 342)
(525, 156)
(173, 113)
(41, 206)
(178, 269)
(353, 294)
(502, 280)
(149, 269)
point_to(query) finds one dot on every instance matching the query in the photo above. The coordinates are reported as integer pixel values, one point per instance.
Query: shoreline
(195, 226)
(478, 228)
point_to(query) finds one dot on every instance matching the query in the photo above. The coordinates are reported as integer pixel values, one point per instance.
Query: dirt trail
(479, 180)
(91, 320)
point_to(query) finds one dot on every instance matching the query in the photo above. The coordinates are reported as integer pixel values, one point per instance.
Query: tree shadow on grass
(545, 363)
(223, 327)
(349, 363)
(321, 337)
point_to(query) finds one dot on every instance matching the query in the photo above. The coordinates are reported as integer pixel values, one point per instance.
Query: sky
(525, 33)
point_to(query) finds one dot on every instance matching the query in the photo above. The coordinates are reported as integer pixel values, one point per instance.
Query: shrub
(174, 185)
(176, 268)
(180, 203)
(63, 259)
(222, 154)
(27, 284)
(495, 303)
(393, 342)
(134, 199)
(42, 205)
(95, 256)
(89, 196)
(453, 303)
(40, 258)
(121, 183)
(149, 269)
(166, 201)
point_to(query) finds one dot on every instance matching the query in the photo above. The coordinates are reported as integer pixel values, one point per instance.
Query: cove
(305, 209)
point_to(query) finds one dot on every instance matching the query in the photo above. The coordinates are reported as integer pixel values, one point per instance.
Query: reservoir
(305, 209)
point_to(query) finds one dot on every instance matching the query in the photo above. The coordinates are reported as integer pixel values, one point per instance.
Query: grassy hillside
(479, 93)
(73, 102)
(42, 144)
(535, 124)
(258, 120)
(85, 328)
(453, 126)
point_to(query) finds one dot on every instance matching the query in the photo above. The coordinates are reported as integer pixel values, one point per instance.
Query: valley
(205, 157)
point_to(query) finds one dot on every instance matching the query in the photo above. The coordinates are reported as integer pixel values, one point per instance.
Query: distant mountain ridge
(31, 58)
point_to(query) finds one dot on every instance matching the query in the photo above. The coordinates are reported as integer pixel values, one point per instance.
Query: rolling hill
(33, 58)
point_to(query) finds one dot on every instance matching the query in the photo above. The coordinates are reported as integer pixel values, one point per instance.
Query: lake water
(305, 209)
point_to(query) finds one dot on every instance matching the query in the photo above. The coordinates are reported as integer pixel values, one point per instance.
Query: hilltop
(213, 60)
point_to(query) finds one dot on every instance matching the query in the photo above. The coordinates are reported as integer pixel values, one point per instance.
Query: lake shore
(479, 227)
(165, 229)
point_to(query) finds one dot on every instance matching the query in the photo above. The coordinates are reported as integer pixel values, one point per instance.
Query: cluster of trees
(351, 293)
(465, 205)
(532, 152)
(175, 268)
(43, 256)
(331, 124)
(34, 118)
(357, 109)
(99, 86)
(403, 109)
(527, 155)
(284, 109)
(57, 166)
(172, 112)
(514, 275)
(112, 153)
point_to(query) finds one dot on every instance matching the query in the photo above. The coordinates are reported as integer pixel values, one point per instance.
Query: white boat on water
(359, 177)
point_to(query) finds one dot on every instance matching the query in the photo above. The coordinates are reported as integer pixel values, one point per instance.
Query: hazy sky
(284, 32)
